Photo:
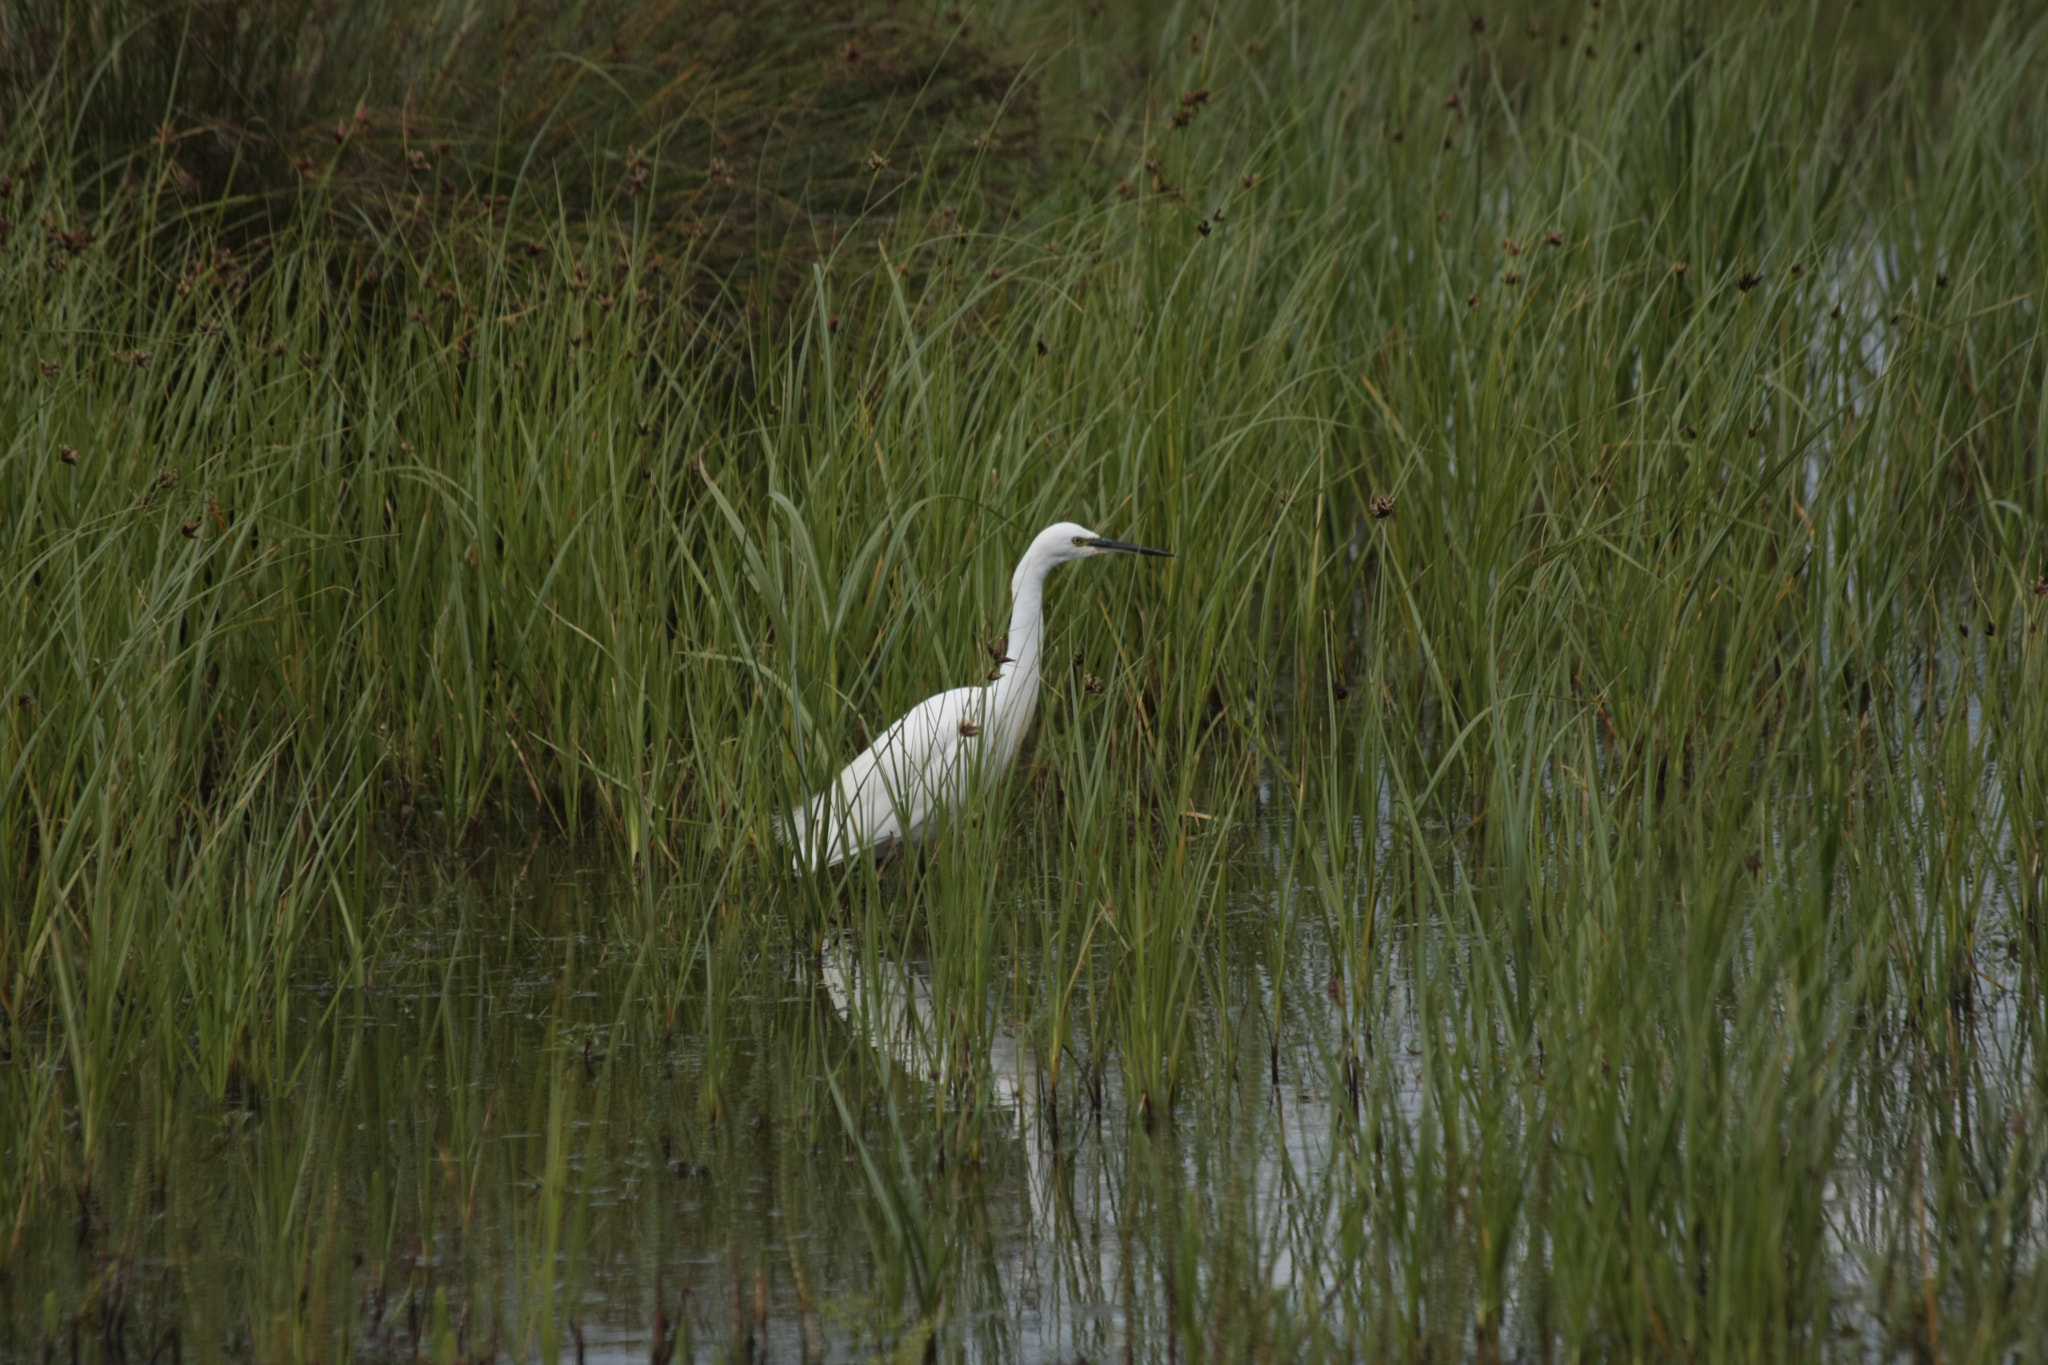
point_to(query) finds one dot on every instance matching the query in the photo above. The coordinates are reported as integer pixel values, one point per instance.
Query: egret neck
(1013, 697)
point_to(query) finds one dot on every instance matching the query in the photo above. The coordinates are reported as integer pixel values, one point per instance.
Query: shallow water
(553, 1127)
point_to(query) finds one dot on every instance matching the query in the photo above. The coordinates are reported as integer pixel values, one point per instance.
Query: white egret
(924, 765)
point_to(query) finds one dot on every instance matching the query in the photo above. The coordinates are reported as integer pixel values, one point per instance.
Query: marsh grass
(1552, 866)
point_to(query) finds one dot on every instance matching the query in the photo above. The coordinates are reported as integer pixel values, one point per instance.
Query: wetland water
(538, 1127)
(490, 1120)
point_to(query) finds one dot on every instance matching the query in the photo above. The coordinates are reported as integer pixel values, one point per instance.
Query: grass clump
(744, 141)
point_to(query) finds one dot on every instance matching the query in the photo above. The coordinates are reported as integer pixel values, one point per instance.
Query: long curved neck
(1013, 697)
(1027, 621)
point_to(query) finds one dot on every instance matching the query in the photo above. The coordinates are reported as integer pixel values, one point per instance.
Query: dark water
(551, 1126)
(570, 1119)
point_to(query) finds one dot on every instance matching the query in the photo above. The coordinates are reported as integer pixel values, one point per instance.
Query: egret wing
(894, 790)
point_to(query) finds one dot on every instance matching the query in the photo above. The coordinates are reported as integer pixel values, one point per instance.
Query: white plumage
(924, 765)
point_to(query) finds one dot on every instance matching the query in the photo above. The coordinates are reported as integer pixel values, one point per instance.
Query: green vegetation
(1552, 869)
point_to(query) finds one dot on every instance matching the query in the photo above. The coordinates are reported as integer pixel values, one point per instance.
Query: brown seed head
(68, 454)
(1381, 506)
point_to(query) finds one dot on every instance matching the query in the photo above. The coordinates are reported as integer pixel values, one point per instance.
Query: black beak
(1100, 544)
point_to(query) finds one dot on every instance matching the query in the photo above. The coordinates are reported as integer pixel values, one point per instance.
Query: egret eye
(1082, 541)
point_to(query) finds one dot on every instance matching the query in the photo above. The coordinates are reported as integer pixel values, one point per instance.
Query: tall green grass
(1552, 866)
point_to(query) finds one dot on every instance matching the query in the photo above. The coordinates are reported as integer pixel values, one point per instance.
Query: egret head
(1066, 541)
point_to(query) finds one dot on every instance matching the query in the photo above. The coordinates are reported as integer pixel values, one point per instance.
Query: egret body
(924, 765)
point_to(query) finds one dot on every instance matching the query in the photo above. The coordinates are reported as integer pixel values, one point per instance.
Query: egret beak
(1100, 544)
